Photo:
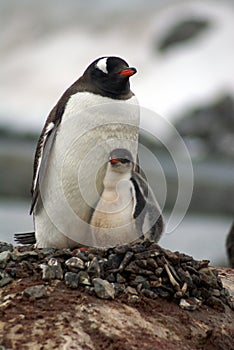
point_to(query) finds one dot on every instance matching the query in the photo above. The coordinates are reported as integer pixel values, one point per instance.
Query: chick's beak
(128, 72)
(114, 160)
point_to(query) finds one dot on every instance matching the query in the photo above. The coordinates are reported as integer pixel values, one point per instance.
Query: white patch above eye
(102, 65)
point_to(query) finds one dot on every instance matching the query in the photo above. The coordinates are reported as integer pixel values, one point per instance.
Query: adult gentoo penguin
(127, 209)
(97, 113)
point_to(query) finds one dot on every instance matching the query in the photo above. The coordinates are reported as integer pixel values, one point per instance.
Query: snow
(36, 72)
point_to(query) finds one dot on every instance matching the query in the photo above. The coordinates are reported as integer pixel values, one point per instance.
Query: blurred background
(184, 54)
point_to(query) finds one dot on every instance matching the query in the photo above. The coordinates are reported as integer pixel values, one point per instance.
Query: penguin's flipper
(44, 147)
(148, 213)
(25, 238)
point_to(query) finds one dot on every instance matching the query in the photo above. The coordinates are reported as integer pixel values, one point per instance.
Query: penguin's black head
(109, 77)
(121, 158)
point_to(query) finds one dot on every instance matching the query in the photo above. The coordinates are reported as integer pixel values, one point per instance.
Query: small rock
(140, 279)
(24, 269)
(4, 258)
(159, 271)
(194, 292)
(201, 264)
(197, 301)
(153, 278)
(36, 292)
(138, 248)
(110, 277)
(163, 292)
(203, 293)
(64, 253)
(103, 289)
(94, 251)
(119, 288)
(127, 257)
(5, 246)
(215, 303)
(18, 256)
(134, 268)
(130, 290)
(4, 278)
(139, 287)
(208, 278)
(133, 298)
(75, 264)
(216, 293)
(142, 263)
(11, 268)
(179, 294)
(160, 261)
(196, 279)
(83, 278)
(113, 261)
(224, 292)
(52, 271)
(56, 267)
(148, 243)
(47, 272)
(94, 268)
(91, 256)
(71, 280)
(192, 270)
(187, 306)
(173, 257)
(122, 249)
(82, 255)
(90, 290)
(157, 283)
(149, 293)
(152, 263)
(185, 258)
(188, 279)
(120, 278)
(147, 254)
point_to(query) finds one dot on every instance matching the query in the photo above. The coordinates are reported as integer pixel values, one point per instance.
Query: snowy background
(45, 46)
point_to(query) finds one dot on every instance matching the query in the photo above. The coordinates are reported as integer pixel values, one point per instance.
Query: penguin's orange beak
(128, 72)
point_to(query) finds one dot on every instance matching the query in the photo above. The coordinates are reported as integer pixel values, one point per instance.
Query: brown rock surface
(71, 319)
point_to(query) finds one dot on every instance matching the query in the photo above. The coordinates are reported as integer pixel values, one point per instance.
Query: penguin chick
(127, 209)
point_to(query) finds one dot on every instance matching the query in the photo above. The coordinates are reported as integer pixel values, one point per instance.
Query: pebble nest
(138, 271)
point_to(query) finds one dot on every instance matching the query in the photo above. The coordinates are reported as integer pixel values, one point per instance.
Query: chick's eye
(124, 161)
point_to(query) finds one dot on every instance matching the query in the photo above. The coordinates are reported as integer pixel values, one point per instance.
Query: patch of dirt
(73, 319)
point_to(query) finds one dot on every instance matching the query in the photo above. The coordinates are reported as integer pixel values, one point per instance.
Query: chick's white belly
(112, 215)
(113, 223)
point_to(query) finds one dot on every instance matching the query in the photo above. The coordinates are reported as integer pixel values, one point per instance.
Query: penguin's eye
(98, 73)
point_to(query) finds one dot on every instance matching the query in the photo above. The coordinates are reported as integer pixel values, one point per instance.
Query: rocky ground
(130, 297)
